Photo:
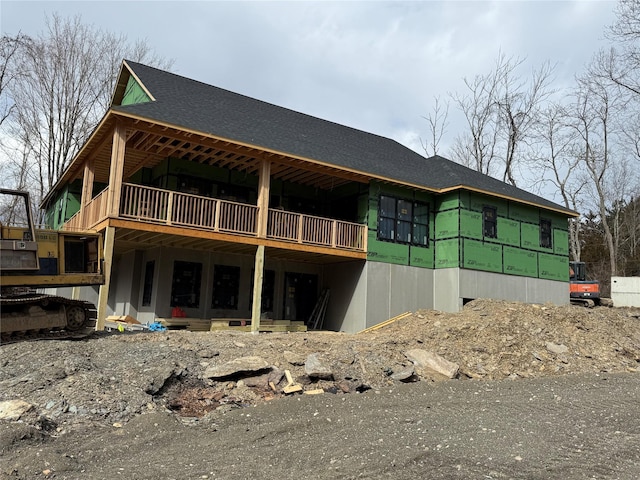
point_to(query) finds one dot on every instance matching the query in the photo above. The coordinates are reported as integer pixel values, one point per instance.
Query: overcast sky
(372, 65)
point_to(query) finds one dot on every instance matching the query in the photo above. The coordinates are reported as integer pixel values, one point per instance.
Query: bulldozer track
(86, 330)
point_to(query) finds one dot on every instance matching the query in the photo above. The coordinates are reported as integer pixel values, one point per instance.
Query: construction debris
(291, 387)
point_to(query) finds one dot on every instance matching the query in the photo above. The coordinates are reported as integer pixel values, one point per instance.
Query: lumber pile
(266, 325)
(236, 324)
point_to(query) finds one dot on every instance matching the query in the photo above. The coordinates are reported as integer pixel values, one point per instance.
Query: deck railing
(174, 208)
(95, 211)
(167, 207)
(308, 229)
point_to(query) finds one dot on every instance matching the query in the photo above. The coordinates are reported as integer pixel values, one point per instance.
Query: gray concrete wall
(476, 284)
(446, 290)
(347, 307)
(395, 289)
(125, 291)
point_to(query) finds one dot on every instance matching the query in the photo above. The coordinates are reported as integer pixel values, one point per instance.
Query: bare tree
(624, 67)
(9, 70)
(477, 147)
(559, 165)
(501, 109)
(519, 105)
(596, 109)
(437, 127)
(66, 84)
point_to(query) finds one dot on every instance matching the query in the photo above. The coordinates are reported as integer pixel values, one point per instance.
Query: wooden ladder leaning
(316, 319)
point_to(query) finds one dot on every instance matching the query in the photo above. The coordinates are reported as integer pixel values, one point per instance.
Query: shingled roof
(196, 106)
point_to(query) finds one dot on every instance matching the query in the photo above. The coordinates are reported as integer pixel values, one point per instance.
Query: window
(421, 224)
(545, 233)
(148, 283)
(185, 287)
(489, 222)
(226, 287)
(403, 221)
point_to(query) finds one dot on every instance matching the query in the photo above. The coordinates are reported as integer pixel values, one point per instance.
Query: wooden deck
(166, 207)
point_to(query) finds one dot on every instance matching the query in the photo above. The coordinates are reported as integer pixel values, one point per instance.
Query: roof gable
(129, 89)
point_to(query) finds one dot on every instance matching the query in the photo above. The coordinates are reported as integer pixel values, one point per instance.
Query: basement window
(403, 221)
(545, 233)
(489, 222)
(185, 286)
(226, 287)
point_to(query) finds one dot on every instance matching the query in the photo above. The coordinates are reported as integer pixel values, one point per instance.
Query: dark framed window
(489, 222)
(403, 221)
(185, 287)
(148, 283)
(421, 224)
(226, 287)
(545, 233)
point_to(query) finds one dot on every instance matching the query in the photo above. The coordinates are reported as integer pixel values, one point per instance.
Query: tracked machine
(32, 260)
(582, 291)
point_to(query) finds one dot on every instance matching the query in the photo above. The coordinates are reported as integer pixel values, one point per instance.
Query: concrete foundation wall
(625, 291)
(395, 289)
(125, 291)
(347, 307)
(446, 290)
(475, 284)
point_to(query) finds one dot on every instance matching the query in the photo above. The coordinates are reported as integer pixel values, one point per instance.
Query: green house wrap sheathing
(525, 214)
(508, 232)
(386, 252)
(134, 94)
(470, 224)
(553, 267)
(447, 253)
(476, 202)
(447, 224)
(531, 238)
(421, 257)
(447, 201)
(481, 256)
(520, 262)
(560, 242)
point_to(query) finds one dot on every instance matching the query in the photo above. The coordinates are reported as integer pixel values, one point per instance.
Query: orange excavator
(582, 291)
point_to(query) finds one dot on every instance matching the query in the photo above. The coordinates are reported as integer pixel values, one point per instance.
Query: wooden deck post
(103, 296)
(256, 309)
(263, 198)
(117, 169)
(87, 190)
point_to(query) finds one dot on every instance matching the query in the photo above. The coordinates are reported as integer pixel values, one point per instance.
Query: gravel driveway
(568, 427)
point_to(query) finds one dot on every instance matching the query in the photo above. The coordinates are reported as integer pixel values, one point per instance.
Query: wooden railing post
(263, 199)
(300, 227)
(87, 190)
(117, 169)
(334, 233)
(216, 217)
(169, 208)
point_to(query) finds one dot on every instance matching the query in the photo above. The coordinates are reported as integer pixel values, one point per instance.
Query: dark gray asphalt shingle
(197, 106)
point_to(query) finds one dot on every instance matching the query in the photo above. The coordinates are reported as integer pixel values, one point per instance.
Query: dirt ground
(185, 405)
